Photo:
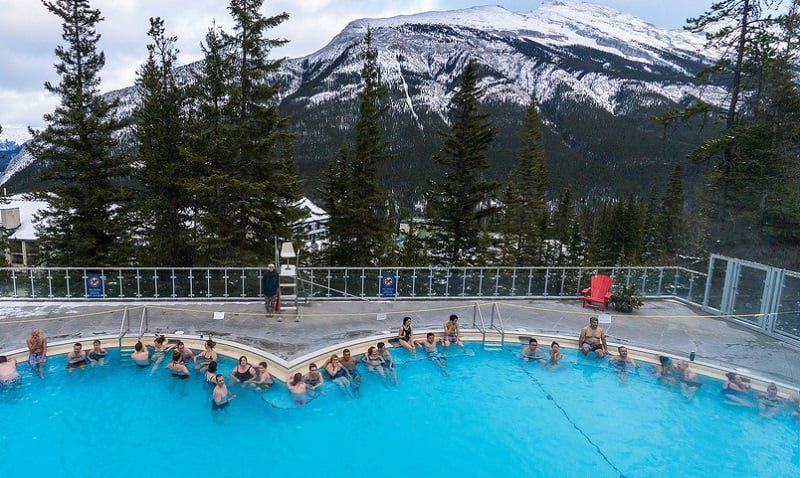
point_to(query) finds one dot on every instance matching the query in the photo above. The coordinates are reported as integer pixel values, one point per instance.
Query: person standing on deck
(270, 281)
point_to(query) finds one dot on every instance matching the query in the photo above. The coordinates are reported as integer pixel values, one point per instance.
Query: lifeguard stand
(287, 300)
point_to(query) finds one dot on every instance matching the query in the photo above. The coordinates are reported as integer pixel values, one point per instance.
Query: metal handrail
(501, 329)
(122, 327)
(477, 313)
(144, 322)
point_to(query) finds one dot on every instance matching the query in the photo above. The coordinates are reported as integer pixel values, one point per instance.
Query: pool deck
(664, 325)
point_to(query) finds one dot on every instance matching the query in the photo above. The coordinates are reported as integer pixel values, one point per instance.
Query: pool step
(125, 356)
(492, 347)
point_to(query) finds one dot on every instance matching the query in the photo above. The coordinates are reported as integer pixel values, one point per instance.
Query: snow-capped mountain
(598, 75)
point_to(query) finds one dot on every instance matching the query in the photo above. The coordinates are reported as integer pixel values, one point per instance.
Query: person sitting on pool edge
(593, 339)
(406, 334)
(429, 344)
(8, 371)
(264, 380)
(297, 388)
(76, 358)
(532, 351)
(555, 355)
(452, 333)
(220, 397)
(313, 379)
(37, 351)
(177, 367)
(140, 355)
(98, 354)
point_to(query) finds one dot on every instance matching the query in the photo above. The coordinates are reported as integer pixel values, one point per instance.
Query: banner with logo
(388, 284)
(94, 286)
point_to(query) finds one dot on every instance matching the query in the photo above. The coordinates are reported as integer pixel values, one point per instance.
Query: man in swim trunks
(623, 363)
(264, 380)
(98, 354)
(452, 333)
(593, 339)
(388, 362)
(37, 351)
(220, 397)
(186, 353)
(8, 371)
(351, 365)
(532, 351)
(76, 358)
(429, 344)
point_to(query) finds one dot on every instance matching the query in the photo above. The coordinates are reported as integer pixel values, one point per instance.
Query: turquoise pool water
(493, 416)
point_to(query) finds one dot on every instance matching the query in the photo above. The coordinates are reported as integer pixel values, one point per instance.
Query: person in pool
(555, 355)
(220, 397)
(186, 353)
(794, 399)
(264, 380)
(313, 379)
(374, 361)
(177, 367)
(452, 333)
(429, 344)
(37, 351)
(160, 348)
(211, 373)
(406, 335)
(351, 365)
(338, 374)
(388, 362)
(593, 339)
(140, 355)
(8, 371)
(243, 373)
(297, 388)
(688, 379)
(666, 371)
(98, 354)
(769, 403)
(76, 358)
(532, 351)
(735, 390)
(208, 355)
(623, 363)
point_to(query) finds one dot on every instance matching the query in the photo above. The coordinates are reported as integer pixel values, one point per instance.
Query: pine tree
(672, 229)
(369, 230)
(532, 188)
(509, 226)
(164, 204)
(563, 229)
(459, 200)
(335, 192)
(87, 221)
(262, 186)
(413, 253)
(209, 152)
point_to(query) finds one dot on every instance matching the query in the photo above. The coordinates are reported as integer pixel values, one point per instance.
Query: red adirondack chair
(599, 292)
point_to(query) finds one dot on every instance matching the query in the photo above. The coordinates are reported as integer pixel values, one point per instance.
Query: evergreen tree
(532, 189)
(209, 152)
(368, 234)
(413, 253)
(335, 192)
(509, 226)
(672, 227)
(563, 229)
(459, 200)
(86, 222)
(262, 186)
(163, 207)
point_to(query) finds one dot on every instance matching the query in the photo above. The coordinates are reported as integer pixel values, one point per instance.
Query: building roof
(27, 210)
(315, 213)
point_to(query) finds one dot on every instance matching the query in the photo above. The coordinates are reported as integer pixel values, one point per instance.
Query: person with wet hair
(297, 388)
(243, 373)
(76, 358)
(313, 379)
(8, 371)
(140, 355)
(177, 367)
(264, 379)
(532, 351)
(207, 356)
(555, 355)
(211, 373)
(221, 397)
(97, 354)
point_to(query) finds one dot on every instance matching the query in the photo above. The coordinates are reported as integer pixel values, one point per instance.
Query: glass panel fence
(787, 321)
(749, 291)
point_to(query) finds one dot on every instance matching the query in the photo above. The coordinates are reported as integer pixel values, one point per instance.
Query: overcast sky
(29, 33)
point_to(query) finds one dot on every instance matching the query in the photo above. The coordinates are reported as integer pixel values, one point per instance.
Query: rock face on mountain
(598, 74)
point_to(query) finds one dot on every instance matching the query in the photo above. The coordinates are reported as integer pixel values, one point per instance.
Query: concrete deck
(663, 325)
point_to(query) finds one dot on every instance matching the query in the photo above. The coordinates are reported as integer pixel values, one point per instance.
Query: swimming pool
(493, 416)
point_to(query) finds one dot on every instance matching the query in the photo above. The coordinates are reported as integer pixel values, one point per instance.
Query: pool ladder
(495, 323)
(125, 328)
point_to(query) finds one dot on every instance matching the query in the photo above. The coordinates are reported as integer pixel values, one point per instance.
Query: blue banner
(94, 286)
(388, 284)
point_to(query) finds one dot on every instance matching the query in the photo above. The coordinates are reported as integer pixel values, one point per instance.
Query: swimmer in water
(177, 367)
(208, 355)
(555, 356)
(76, 358)
(388, 363)
(297, 388)
(429, 343)
(313, 380)
(769, 403)
(532, 351)
(140, 355)
(688, 379)
(211, 373)
(623, 363)
(220, 397)
(338, 374)
(98, 354)
(243, 373)
(374, 361)
(264, 380)
(350, 364)
(8, 371)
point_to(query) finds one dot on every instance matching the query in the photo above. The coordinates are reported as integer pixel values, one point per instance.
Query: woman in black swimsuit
(405, 334)
(243, 372)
